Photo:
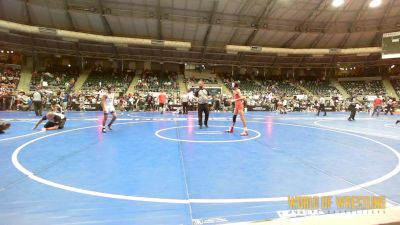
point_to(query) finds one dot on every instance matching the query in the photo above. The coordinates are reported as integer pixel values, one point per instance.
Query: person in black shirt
(55, 121)
(352, 109)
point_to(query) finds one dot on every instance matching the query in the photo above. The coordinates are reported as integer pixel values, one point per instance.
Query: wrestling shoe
(244, 133)
(230, 130)
(104, 130)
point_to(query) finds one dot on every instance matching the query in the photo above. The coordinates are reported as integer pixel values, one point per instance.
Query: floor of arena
(162, 169)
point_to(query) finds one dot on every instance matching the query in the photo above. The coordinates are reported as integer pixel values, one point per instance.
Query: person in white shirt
(37, 102)
(185, 100)
(107, 103)
(321, 106)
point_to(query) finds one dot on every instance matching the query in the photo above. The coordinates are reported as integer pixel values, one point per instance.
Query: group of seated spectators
(100, 78)
(322, 88)
(396, 85)
(360, 88)
(57, 86)
(9, 79)
(192, 81)
(250, 86)
(152, 81)
(54, 78)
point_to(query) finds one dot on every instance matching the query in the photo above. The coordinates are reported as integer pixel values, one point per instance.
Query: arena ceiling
(209, 25)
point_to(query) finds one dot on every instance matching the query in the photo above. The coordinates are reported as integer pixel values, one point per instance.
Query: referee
(202, 96)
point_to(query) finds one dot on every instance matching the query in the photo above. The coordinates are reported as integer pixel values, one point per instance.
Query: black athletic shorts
(60, 125)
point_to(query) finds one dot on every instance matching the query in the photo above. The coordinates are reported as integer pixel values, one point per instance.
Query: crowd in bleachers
(9, 79)
(56, 84)
(360, 88)
(396, 85)
(98, 79)
(151, 81)
(321, 88)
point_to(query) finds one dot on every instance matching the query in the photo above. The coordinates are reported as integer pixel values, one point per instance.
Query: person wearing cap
(107, 103)
(202, 99)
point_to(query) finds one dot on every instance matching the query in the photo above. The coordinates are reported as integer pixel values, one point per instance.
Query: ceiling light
(375, 3)
(337, 3)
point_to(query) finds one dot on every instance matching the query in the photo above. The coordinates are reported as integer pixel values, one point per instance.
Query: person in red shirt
(162, 98)
(239, 106)
(377, 106)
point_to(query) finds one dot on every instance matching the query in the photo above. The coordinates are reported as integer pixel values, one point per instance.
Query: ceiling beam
(28, 12)
(331, 21)
(211, 19)
(310, 18)
(159, 23)
(244, 7)
(71, 23)
(350, 30)
(264, 14)
(106, 25)
(377, 39)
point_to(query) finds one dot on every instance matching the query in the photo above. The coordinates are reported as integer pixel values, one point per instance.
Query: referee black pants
(321, 109)
(352, 114)
(389, 109)
(184, 107)
(203, 108)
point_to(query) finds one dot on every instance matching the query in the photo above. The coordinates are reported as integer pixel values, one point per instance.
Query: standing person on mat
(352, 109)
(239, 106)
(185, 100)
(377, 106)
(37, 100)
(55, 121)
(389, 106)
(321, 106)
(107, 102)
(202, 100)
(162, 99)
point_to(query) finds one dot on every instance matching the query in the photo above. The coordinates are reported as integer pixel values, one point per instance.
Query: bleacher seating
(320, 88)
(361, 88)
(285, 88)
(56, 78)
(9, 79)
(98, 79)
(151, 81)
(396, 85)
